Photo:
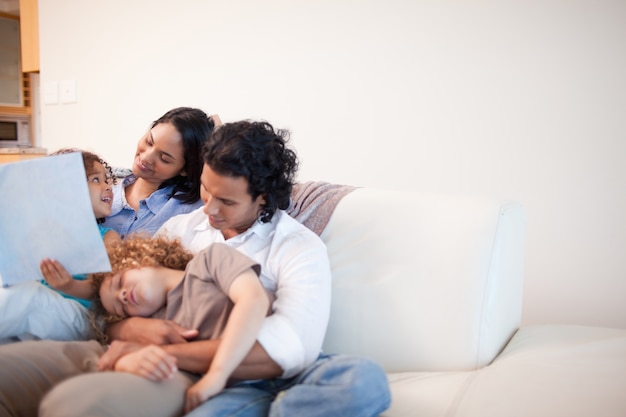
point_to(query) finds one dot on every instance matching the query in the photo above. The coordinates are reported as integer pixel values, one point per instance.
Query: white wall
(526, 99)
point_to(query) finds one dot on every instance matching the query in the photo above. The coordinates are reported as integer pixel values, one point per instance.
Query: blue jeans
(335, 385)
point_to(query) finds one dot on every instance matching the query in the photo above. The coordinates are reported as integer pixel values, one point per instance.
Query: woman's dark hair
(258, 153)
(195, 127)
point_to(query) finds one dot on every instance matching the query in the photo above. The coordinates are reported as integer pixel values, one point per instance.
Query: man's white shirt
(294, 265)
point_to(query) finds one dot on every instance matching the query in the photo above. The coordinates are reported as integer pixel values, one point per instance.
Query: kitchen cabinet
(29, 32)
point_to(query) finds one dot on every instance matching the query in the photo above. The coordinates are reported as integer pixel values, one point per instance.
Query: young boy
(217, 292)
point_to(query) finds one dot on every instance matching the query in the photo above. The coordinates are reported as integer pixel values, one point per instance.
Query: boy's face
(100, 191)
(227, 203)
(134, 292)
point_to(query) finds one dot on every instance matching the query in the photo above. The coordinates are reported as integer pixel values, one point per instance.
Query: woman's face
(160, 154)
(134, 292)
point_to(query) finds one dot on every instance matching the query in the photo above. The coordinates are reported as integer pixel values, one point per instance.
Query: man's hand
(116, 350)
(150, 362)
(150, 331)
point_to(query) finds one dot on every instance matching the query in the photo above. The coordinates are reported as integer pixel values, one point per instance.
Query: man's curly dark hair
(258, 153)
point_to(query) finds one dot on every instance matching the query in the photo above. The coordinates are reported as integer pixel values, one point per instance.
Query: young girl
(99, 181)
(58, 309)
(217, 292)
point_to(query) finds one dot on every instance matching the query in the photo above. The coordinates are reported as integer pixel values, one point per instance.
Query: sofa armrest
(424, 282)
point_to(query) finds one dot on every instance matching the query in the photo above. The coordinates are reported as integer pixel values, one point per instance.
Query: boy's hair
(258, 153)
(89, 160)
(134, 252)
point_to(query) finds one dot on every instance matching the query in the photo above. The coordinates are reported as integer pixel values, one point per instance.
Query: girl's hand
(56, 275)
(209, 385)
(150, 362)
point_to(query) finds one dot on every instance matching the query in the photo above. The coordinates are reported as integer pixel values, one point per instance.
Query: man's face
(229, 206)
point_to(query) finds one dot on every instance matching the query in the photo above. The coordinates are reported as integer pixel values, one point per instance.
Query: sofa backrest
(424, 282)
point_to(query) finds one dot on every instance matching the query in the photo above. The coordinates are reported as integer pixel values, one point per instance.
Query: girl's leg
(33, 309)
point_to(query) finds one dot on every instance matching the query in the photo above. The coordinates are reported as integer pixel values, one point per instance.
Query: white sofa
(430, 286)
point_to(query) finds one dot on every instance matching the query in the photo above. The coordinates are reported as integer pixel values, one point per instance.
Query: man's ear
(261, 199)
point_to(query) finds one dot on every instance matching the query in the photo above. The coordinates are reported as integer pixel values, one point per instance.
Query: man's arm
(293, 334)
(197, 356)
(149, 331)
(194, 357)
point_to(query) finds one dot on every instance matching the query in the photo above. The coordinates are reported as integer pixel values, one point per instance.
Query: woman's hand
(209, 385)
(150, 362)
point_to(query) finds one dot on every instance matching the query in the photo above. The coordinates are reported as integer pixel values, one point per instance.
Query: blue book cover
(46, 212)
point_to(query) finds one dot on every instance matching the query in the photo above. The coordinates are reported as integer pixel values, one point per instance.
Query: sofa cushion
(552, 370)
(425, 394)
(424, 282)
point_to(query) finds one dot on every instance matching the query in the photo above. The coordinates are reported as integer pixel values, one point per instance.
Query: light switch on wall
(67, 91)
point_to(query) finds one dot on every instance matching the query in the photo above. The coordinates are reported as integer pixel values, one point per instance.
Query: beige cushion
(545, 371)
(424, 282)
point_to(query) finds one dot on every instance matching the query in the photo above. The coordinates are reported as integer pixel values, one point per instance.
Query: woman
(165, 178)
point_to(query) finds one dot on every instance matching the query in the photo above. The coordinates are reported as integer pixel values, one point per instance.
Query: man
(247, 180)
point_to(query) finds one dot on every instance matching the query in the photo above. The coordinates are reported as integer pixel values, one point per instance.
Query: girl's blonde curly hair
(134, 252)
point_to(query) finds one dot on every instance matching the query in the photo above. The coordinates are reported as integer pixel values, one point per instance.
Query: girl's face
(100, 191)
(134, 292)
(227, 203)
(160, 154)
